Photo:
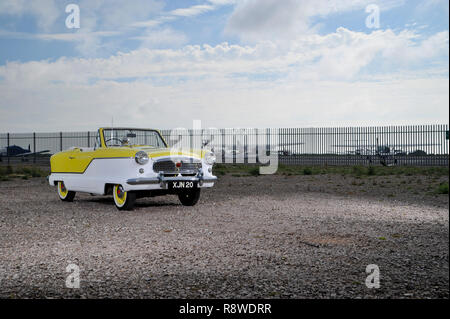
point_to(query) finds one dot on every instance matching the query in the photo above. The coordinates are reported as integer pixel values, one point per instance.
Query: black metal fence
(418, 145)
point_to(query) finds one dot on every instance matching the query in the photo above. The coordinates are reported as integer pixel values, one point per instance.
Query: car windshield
(133, 137)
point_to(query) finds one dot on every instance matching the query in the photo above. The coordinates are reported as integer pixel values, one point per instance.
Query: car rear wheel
(64, 194)
(123, 200)
(189, 197)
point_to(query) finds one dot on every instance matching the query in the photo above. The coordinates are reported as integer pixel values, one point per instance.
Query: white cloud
(223, 103)
(316, 81)
(192, 11)
(223, 2)
(75, 36)
(340, 55)
(113, 15)
(45, 11)
(99, 19)
(165, 37)
(254, 20)
(429, 48)
(148, 23)
(95, 14)
(351, 51)
(426, 5)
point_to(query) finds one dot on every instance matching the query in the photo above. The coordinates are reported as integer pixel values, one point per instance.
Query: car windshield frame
(126, 140)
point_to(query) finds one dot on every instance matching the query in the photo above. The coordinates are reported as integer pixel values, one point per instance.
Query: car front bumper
(162, 180)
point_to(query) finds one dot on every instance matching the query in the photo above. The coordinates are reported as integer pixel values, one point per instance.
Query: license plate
(182, 185)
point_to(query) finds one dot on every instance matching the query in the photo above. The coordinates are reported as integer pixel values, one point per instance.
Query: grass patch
(443, 188)
(355, 171)
(24, 172)
(254, 171)
(358, 170)
(5, 170)
(371, 171)
(219, 172)
(236, 170)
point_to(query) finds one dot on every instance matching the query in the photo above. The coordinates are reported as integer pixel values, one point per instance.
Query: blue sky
(199, 29)
(229, 63)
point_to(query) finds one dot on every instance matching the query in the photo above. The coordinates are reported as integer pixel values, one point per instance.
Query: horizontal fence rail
(416, 145)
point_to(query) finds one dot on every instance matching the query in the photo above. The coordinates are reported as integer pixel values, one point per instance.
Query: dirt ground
(249, 237)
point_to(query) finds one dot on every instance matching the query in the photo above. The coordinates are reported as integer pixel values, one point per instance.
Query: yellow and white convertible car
(131, 163)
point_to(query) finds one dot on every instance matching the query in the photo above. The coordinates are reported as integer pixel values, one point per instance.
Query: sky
(227, 63)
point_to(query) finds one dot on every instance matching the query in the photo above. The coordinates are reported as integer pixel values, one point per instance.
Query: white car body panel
(102, 171)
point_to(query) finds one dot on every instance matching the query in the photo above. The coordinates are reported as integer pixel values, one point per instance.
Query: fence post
(234, 146)
(223, 146)
(34, 147)
(256, 148)
(60, 142)
(88, 137)
(245, 147)
(7, 147)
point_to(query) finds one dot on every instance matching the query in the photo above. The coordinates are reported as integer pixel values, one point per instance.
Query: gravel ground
(249, 237)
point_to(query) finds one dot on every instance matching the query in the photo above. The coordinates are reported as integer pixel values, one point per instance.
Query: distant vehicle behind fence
(415, 145)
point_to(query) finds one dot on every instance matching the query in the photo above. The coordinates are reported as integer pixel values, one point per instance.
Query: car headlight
(141, 157)
(210, 158)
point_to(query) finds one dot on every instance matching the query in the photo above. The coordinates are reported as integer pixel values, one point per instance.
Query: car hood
(163, 152)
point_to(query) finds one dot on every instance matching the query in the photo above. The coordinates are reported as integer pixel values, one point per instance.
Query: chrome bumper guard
(162, 180)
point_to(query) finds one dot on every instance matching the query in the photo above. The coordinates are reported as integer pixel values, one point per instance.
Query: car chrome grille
(168, 167)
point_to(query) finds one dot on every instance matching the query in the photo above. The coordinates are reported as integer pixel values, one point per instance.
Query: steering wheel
(114, 138)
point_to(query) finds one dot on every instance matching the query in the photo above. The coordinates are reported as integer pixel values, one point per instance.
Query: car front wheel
(189, 197)
(64, 194)
(123, 200)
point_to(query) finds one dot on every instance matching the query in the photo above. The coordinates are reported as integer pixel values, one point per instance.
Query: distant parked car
(131, 163)
(418, 153)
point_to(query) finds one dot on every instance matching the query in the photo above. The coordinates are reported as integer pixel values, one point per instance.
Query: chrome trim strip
(162, 179)
(142, 181)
